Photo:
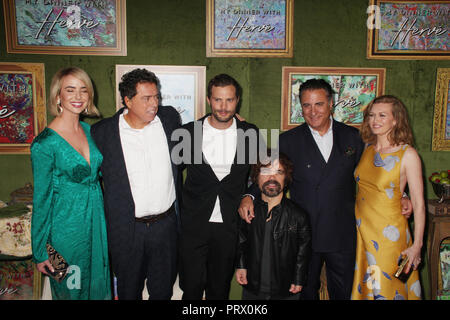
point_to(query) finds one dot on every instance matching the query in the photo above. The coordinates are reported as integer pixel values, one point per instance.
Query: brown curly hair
(401, 133)
(285, 162)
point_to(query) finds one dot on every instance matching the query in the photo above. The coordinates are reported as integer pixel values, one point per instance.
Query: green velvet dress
(68, 213)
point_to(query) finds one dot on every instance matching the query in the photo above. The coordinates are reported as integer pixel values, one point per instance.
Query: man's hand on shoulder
(246, 209)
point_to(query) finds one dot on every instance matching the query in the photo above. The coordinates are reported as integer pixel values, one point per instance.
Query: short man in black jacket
(274, 250)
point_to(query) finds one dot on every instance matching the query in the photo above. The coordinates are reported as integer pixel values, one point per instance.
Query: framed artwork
(182, 87)
(249, 28)
(20, 280)
(94, 27)
(22, 106)
(441, 121)
(404, 29)
(354, 89)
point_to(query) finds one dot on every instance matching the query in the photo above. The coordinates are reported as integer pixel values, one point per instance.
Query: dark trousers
(340, 267)
(154, 258)
(207, 259)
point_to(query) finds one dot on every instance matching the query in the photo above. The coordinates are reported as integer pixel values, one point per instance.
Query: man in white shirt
(141, 185)
(212, 191)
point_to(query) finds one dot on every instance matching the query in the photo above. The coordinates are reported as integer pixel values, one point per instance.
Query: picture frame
(78, 28)
(405, 29)
(22, 105)
(249, 28)
(354, 89)
(441, 119)
(182, 87)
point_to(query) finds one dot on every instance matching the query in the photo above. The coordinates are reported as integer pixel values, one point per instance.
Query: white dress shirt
(148, 166)
(325, 142)
(219, 148)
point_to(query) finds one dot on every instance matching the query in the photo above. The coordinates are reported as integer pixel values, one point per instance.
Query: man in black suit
(218, 164)
(141, 185)
(325, 153)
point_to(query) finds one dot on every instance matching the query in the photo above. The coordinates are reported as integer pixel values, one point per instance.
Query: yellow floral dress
(382, 231)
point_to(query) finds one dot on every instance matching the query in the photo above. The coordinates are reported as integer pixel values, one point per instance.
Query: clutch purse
(58, 263)
(400, 273)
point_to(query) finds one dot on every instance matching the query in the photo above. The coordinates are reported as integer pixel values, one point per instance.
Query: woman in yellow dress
(388, 163)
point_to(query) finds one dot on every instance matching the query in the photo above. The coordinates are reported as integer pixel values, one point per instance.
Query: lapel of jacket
(314, 157)
(165, 121)
(165, 124)
(116, 151)
(239, 125)
(197, 146)
(336, 151)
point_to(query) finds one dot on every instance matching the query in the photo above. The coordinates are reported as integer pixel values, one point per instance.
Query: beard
(271, 191)
(223, 119)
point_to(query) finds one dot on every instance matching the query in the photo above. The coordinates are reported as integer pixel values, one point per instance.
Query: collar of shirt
(123, 124)
(325, 142)
(316, 133)
(211, 130)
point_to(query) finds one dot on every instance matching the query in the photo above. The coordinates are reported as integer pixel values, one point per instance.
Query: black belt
(156, 217)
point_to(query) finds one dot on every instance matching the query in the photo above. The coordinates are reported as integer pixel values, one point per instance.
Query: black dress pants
(154, 258)
(207, 258)
(340, 267)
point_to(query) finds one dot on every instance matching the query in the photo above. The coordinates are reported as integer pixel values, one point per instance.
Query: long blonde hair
(401, 133)
(55, 90)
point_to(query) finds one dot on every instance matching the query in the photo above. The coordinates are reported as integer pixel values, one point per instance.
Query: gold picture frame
(78, 28)
(354, 89)
(407, 30)
(22, 105)
(250, 28)
(441, 119)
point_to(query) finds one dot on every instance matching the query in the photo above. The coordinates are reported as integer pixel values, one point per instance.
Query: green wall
(326, 33)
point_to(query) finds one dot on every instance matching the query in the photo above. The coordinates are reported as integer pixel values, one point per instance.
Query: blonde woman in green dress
(68, 204)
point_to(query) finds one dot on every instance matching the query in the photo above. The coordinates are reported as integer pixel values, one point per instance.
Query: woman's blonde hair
(55, 90)
(401, 133)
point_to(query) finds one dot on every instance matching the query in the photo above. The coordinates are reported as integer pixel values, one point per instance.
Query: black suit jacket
(118, 200)
(325, 190)
(202, 187)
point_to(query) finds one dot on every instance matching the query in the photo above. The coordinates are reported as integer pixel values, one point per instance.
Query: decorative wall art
(405, 29)
(441, 122)
(249, 28)
(88, 27)
(22, 105)
(354, 89)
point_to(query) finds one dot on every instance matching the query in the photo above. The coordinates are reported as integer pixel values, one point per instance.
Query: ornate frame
(364, 78)
(39, 121)
(247, 47)
(441, 119)
(29, 29)
(382, 26)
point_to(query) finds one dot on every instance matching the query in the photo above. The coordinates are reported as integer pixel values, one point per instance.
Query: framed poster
(354, 89)
(182, 87)
(77, 27)
(441, 121)
(405, 29)
(249, 28)
(22, 106)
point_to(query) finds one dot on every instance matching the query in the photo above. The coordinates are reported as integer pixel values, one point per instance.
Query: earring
(85, 111)
(58, 107)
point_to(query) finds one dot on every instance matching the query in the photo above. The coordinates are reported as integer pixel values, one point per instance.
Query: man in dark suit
(217, 171)
(325, 153)
(141, 185)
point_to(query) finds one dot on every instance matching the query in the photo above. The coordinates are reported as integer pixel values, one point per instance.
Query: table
(438, 230)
